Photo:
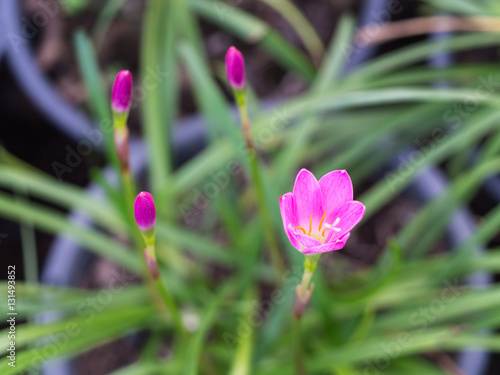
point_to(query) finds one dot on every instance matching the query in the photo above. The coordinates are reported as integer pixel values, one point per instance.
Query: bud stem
(303, 290)
(239, 95)
(152, 263)
(122, 148)
(269, 233)
(120, 120)
(309, 268)
(154, 277)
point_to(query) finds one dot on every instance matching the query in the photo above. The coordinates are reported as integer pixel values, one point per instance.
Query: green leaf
(159, 85)
(195, 344)
(79, 334)
(56, 223)
(66, 195)
(96, 93)
(253, 30)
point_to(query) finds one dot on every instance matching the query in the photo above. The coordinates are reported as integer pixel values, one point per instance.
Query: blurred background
(50, 101)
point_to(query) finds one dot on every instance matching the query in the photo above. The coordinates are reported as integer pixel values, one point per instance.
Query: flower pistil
(319, 234)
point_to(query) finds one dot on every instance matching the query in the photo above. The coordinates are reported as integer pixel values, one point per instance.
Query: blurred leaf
(56, 223)
(79, 334)
(96, 93)
(253, 30)
(74, 7)
(301, 26)
(392, 61)
(64, 194)
(337, 55)
(159, 84)
(195, 345)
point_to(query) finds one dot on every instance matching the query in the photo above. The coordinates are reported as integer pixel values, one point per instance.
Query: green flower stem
(300, 368)
(158, 291)
(129, 197)
(121, 134)
(302, 298)
(241, 102)
(119, 120)
(151, 282)
(255, 171)
(309, 268)
(166, 297)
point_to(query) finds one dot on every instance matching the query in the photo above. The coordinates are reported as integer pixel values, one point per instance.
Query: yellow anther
(310, 223)
(321, 222)
(323, 233)
(302, 229)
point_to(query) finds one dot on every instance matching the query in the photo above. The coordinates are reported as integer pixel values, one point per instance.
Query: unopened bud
(121, 96)
(145, 212)
(235, 68)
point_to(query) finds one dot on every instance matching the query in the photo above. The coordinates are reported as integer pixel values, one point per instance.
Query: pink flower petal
(336, 189)
(350, 214)
(287, 208)
(307, 195)
(304, 241)
(324, 248)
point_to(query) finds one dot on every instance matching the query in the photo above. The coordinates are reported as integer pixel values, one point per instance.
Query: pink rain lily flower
(319, 215)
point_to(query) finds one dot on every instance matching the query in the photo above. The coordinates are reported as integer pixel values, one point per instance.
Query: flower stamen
(321, 222)
(302, 229)
(310, 224)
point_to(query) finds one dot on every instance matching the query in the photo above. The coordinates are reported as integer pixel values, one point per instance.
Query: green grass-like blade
(158, 76)
(56, 223)
(253, 30)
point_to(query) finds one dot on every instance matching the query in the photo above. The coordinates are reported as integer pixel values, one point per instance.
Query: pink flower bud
(235, 68)
(144, 211)
(122, 92)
